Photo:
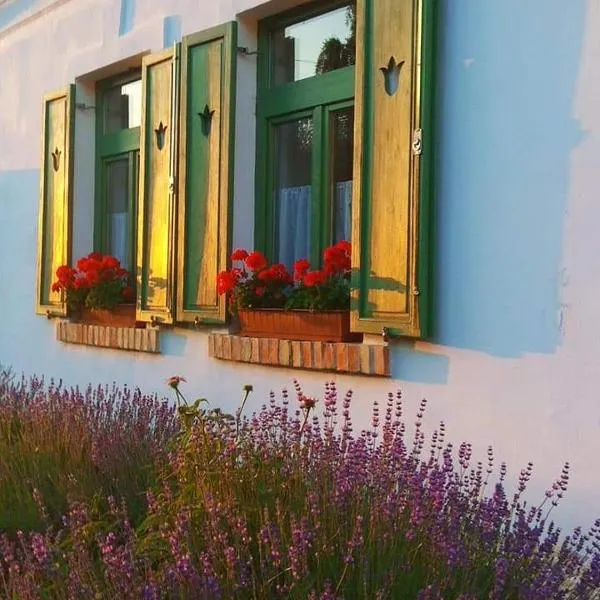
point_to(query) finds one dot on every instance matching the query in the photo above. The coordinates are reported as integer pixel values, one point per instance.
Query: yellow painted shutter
(389, 201)
(206, 163)
(156, 203)
(54, 227)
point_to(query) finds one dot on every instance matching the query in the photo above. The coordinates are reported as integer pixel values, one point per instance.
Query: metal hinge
(417, 142)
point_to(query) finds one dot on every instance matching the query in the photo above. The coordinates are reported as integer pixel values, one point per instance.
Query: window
(118, 114)
(344, 149)
(305, 131)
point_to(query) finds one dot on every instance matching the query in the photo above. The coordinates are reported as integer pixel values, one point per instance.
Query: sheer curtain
(343, 210)
(294, 224)
(118, 237)
(295, 217)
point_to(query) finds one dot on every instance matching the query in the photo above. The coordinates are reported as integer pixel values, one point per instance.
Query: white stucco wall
(515, 359)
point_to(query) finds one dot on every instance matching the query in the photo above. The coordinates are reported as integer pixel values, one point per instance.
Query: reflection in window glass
(342, 143)
(293, 191)
(123, 107)
(314, 46)
(117, 209)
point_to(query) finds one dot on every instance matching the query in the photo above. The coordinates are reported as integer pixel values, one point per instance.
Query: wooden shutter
(205, 170)
(54, 227)
(391, 185)
(156, 205)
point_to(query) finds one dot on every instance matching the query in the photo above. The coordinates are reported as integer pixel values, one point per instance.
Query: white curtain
(343, 210)
(294, 224)
(118, 237)
(295, 217)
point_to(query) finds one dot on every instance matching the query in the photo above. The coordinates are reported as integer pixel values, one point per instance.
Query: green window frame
(316, 97)
(110, 148)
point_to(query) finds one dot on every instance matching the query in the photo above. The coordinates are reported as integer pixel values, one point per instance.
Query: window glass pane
(342, 144)
(314, 46)
(123, 107)
(117, 210)
(293, 192)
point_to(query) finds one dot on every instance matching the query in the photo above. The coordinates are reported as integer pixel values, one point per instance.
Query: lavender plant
(57, 443)
(287, 505)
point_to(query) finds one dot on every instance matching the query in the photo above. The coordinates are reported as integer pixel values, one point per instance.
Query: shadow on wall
(505, 134)
(127, 16)
(13, 10)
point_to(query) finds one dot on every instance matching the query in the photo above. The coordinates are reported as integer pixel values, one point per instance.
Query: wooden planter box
(331, 326)
(123, 315)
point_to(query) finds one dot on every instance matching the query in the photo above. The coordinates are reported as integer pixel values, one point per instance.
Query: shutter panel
(205, 168)
(54, 227)
(390, 212)
(156, 204)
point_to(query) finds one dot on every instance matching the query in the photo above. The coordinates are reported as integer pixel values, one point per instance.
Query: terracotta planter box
(331, 326)
(123, 315)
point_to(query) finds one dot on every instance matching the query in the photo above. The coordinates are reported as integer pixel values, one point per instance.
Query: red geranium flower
(266, 275)
(226, 282)
(110, 262)
(92, 277)
(80, 283)
(256, 261)
(239, 254)
(301, 267)
(313, 278)
(345, 247)
(280, 272)
(336, 260)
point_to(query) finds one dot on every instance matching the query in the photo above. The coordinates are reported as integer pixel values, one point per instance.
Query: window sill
(339, 357)
(101, 336)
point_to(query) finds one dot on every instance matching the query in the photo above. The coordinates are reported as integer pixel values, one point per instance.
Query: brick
(380, 360)
(236, 348)
(307, 355)
(273, 351)
(317, 355)
(145, 340)
(246, 346)
(329, 363)
(285, 353)
(342, 357)
(366, 359)
(219, 346)
(296, 354)
(227, 347)
(137, 345)
(263, 351)
(354, 358)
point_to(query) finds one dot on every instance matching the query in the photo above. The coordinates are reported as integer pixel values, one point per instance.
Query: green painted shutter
(156, 203)
(205, 169)
(54, 227)
(391, 184)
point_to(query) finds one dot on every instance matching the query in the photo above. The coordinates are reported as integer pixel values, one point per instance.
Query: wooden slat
(386, 194)
(54, 225)
(205, 169)
(155, 276)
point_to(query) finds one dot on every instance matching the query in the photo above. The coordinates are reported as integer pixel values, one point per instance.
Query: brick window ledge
(357, 359)
(101, 336)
